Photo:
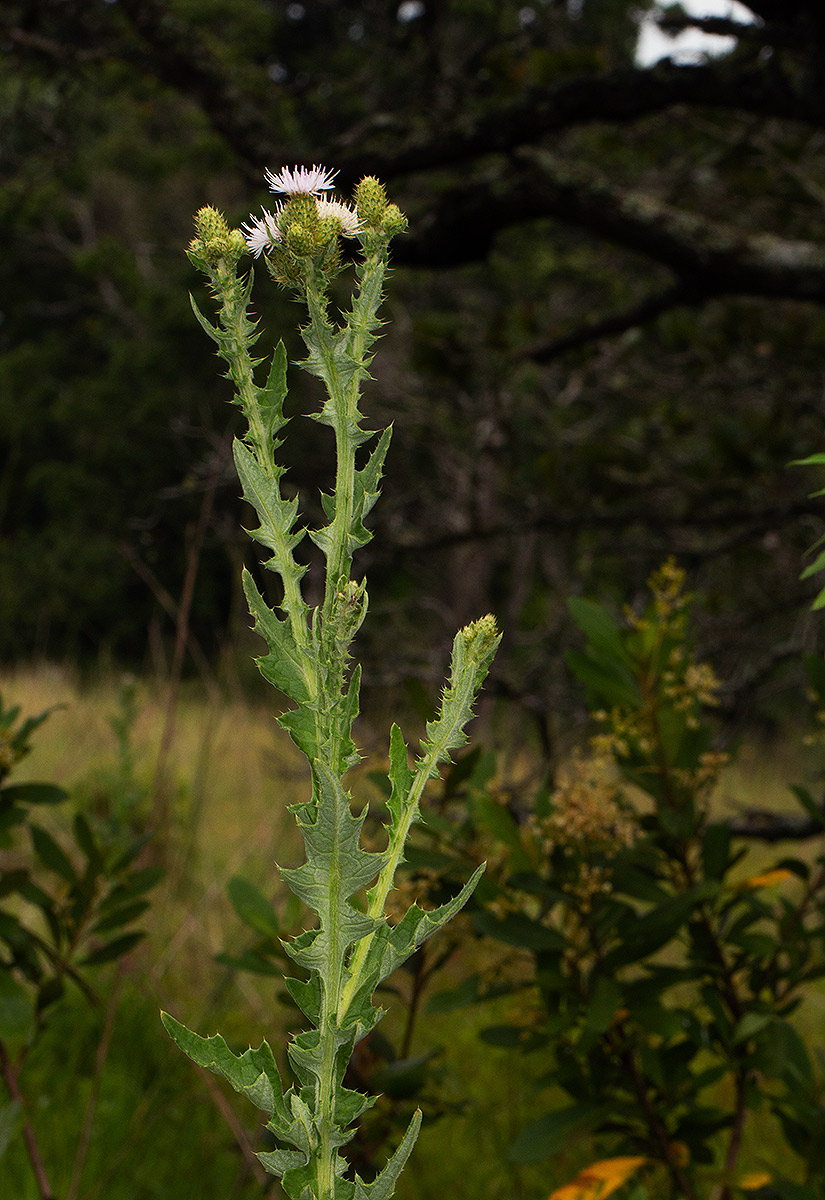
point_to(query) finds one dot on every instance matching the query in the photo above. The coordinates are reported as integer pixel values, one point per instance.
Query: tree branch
(11, 1072)
(708, 256)
(677, 296)
(760, 824)
(618, 97)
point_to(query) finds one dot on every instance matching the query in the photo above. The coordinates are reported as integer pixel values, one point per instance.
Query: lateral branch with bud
(352, 947)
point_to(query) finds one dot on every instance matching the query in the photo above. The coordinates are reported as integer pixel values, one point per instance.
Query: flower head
(261, 232)
(301, 181)
(343, 213)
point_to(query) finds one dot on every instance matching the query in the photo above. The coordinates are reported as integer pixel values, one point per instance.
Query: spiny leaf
(336, 867)
(254, 1073)
(206, 325)
(392, 946)
(307, 995)
(271, 397)
(277, 516)
(383, 1186)
(400, 775)
(473, 651)
(300, 725)
(286, 666)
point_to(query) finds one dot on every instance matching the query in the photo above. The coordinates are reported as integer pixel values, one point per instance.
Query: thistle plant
(352, 946)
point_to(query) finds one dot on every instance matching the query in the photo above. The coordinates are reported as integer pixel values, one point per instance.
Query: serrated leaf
(307, 995)
(336, 868)
(277, 516)
(383, 1186)
(253, 1074)
(469, 663)
(285, 667)
(300, 725)
(400, 775)
(211, 330)
(278, 1162)
(392, 946)
(271, 397)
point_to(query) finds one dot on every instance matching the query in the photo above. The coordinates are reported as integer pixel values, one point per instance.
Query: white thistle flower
(350, 223)
(261, 232)
(301, 181)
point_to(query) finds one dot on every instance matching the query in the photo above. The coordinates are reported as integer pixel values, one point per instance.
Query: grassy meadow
(161, 1127)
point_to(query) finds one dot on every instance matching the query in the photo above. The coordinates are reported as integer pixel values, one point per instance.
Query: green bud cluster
(211, 224)
(215, 243)
(371, 201)
(307, 237)
(394, 221)
(479, 636)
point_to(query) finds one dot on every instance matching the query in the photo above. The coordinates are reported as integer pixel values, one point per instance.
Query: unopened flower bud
(328, 228)
(393, 221)
(480, 637)
(301, 210)
(236, 244)
(370, 200)
(299, 240)
(211, 224)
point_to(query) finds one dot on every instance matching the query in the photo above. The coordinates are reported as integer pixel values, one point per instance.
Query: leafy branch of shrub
(666, 972)
(64, 912)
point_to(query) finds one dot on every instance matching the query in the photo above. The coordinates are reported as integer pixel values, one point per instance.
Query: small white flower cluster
(262, 233)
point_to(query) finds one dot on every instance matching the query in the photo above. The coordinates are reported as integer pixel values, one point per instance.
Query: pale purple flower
(350, 224)
(261, 232)
(301, 181)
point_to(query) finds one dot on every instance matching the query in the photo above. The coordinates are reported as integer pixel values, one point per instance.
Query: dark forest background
(606, 336)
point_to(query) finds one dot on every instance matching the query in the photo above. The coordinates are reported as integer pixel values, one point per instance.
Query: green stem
(326, 1098)
(236, 324)
(426, 767)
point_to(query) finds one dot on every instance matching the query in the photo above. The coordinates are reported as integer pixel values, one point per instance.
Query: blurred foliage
(517, 477)
(657, 977)
(64, 913)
